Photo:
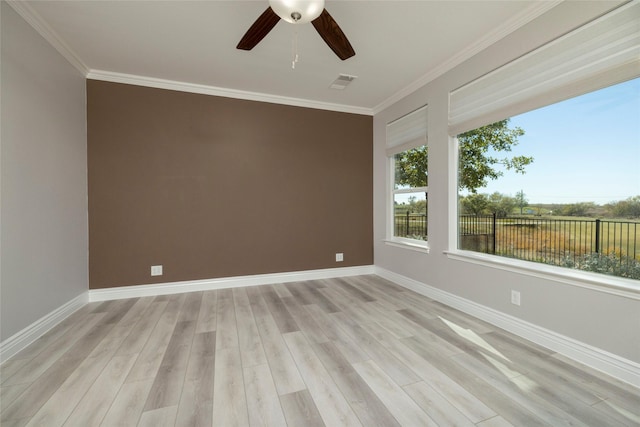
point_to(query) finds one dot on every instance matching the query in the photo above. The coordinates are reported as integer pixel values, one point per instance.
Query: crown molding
(529, 14)
(132, 79)
(35, 20)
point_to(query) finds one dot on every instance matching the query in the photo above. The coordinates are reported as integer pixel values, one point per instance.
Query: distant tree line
(413, 206)
(503, 205)
(487, 204)
(629, 208)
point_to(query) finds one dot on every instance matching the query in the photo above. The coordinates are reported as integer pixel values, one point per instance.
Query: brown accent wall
(216, 187)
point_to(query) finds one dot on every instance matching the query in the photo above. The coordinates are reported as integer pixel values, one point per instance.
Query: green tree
(411, 167)
(629, 208)
(477, 165)
(475, 204)
(483, 204)
(501, 204)
(578, 209)
(521, 200)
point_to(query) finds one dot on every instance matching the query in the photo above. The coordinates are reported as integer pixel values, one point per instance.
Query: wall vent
(342, 81)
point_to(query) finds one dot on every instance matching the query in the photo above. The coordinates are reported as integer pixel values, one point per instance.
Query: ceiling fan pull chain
(295, 47)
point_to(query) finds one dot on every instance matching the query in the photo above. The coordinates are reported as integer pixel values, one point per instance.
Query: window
(575, 201)
(557, 182)
(410, 192)
(407, 151)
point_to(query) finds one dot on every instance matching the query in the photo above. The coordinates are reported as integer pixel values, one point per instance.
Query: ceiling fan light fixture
(297, 11)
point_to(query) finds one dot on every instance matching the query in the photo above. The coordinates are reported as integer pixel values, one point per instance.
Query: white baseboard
(224, 283)
(609, 363)
(28, 335)
(17, 342)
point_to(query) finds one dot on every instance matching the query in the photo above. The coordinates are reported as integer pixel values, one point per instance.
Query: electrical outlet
(339, 257)
(156, 270)
(515, 297)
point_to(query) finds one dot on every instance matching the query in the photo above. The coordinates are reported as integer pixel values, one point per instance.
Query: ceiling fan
(299, 12)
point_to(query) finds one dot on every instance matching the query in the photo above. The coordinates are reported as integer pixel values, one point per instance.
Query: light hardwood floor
(340, 352)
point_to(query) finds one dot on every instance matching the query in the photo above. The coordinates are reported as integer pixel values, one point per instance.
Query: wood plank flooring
(342, 352)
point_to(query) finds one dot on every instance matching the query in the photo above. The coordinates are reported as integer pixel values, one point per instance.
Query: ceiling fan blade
(259, 29)
(333, 36)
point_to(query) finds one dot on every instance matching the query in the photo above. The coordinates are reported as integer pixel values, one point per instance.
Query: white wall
(603, 320)
(43, 178)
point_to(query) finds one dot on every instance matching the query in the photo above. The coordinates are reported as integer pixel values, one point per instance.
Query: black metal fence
(563, 242)
(549, 240)
(411, 225)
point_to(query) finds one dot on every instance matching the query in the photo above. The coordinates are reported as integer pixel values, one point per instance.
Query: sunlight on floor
(468, 334)
(523, 382)
(504, 369)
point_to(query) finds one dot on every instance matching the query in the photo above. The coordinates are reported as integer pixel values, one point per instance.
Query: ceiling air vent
(342, 81)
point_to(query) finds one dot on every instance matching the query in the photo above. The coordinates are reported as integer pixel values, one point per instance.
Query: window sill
(628, 288)
(405, 244)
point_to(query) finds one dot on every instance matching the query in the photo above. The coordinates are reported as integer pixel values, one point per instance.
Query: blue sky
(586, 149)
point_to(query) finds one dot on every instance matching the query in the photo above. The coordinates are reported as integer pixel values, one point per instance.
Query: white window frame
(405, 240)
(403, 134)
(603, 52)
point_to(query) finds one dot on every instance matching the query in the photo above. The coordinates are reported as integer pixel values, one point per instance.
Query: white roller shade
(407, 132)
(601, 53)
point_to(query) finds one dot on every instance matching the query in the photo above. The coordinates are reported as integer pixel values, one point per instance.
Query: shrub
(612, 264)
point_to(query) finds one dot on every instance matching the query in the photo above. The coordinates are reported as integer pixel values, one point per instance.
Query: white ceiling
(400, 45)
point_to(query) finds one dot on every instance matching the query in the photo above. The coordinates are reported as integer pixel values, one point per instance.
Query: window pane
(410, 215)
(558, 185)
(411, 168)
